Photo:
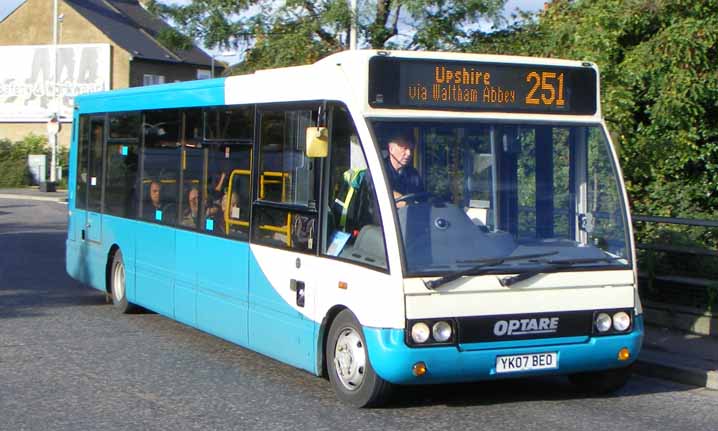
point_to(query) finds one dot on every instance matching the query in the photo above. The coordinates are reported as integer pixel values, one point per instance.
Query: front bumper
(392, 359)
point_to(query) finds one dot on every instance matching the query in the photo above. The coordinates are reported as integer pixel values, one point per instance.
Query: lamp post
(53, 124)
(353, 27)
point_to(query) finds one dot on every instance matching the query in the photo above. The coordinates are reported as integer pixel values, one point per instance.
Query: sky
(7, 6)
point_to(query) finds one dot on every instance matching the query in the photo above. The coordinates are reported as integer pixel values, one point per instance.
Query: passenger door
(284, 267)
(93, 221)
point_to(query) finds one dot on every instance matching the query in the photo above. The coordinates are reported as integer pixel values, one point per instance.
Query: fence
(678, 273)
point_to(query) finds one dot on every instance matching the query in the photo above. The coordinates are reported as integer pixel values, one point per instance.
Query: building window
(203, 74)
(149, 79)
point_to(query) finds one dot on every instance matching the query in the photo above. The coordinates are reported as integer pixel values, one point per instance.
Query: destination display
(476, 86)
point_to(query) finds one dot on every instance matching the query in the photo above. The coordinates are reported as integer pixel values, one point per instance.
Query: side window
(228, 185)
(286, 175)
(228, 137)
(604, 196)
(161, 162)
(123, 145)
(353, 226)
(82, 179)
(95, 168)
(234, 123)
(285, 214)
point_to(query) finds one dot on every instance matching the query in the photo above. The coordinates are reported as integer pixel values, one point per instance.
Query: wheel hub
(118, 282)
(350, 359)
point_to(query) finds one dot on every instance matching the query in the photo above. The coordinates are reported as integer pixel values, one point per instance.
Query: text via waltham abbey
(461, 85)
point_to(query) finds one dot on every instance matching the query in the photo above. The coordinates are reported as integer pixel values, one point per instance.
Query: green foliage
(14, 171)
(297, 32)
(174, 40)
(13, 160)
(659, 70)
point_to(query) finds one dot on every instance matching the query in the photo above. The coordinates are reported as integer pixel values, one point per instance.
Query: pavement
(667, 353)
(679, 356)
(34, 194)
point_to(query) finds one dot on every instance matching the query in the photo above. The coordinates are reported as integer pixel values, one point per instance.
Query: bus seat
(369, 244)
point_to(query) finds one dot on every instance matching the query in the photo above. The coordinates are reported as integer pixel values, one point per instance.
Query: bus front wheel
(117, 284)
(601, 382)
(350, 371)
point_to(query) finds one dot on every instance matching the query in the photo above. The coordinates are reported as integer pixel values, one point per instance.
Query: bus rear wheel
(350, 371)
(601, 382)
(117, 285)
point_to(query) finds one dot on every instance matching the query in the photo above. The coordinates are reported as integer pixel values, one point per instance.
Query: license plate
(528, 362)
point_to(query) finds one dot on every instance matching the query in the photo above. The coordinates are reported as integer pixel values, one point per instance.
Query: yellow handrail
(284, 176)
(286, 230)
(227, 220)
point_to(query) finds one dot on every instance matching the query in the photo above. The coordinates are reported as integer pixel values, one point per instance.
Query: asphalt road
(69, 361)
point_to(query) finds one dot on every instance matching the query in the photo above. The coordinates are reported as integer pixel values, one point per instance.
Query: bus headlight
(621, 321)
(441, 331)
(420, 332)
(603, 322)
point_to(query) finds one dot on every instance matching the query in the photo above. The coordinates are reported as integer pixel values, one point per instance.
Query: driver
(403, 178)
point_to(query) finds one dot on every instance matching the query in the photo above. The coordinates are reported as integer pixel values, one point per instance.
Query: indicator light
(418, 369)
(624, 354)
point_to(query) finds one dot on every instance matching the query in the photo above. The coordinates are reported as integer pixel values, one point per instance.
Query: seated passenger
(191, 213)
(230, 205)
(216, 212)
(152, 209)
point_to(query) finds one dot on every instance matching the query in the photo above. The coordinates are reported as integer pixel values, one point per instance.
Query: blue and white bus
(378, 218)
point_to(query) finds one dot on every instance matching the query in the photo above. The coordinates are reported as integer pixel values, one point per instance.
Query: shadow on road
(511, 391)
(32, 274)
(13, 206)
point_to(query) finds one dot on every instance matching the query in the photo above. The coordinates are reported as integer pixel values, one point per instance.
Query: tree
(296, 32)
(659, 71)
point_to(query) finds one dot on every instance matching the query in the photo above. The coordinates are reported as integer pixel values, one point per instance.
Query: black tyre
(601, 382)
(350, 371)
(117, 285)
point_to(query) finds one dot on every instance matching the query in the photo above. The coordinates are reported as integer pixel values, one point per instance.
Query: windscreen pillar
(544, 182)
(579, 183)
(507, 146)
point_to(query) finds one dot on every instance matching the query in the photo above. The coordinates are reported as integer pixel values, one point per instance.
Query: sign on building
(29, 90)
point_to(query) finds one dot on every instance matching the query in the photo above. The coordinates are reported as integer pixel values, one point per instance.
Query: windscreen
(466, 192)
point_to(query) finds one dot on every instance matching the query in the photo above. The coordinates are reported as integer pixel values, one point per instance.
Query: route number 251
(546, 89)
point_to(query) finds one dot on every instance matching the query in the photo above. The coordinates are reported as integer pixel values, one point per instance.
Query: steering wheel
(413, 197)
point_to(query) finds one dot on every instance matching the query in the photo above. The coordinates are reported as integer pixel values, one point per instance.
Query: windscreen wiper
(483, 264)
(553, 266)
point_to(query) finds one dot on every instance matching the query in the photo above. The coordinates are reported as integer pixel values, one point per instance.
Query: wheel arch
(108, 267)
(322, 337)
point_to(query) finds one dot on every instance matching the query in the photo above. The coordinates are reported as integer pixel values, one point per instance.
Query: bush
(14, 170)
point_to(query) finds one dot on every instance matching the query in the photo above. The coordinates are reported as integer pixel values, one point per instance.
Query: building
(102, 44)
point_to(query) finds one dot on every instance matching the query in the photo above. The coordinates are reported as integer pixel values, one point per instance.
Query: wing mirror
(317, 142)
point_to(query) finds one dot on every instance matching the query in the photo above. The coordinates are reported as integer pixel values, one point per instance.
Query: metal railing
(675, 248)
(678, 290)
